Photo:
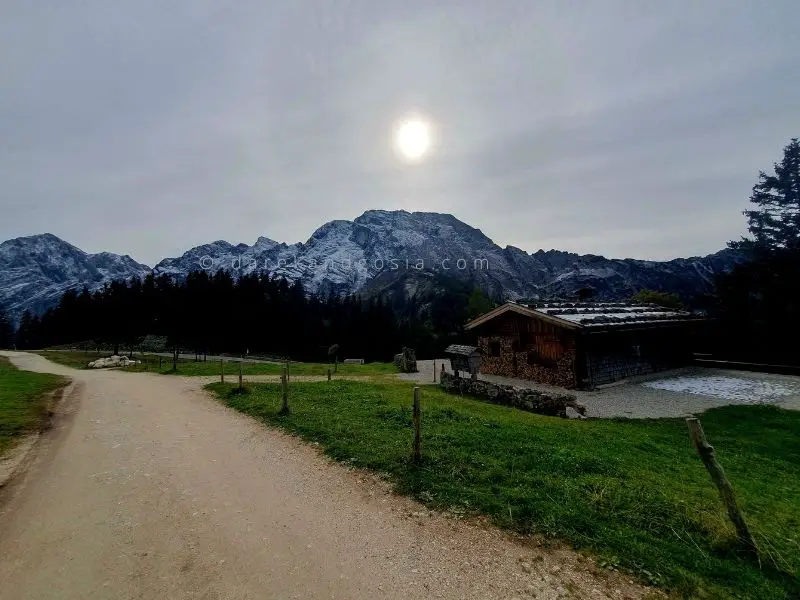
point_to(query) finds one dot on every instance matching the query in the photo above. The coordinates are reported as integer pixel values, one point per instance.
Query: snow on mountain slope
(345, 256)
(35, 271)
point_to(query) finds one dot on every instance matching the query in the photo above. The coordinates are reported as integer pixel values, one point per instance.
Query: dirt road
(147, 488)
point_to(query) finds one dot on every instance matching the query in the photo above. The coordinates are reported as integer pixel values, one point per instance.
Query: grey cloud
(146, 128)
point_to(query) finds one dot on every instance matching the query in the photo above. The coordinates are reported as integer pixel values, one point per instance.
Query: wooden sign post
(221, 371)
(284, 391)
(417, 419)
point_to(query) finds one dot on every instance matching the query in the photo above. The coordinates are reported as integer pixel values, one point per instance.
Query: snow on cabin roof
(591, 314)
(460, 350)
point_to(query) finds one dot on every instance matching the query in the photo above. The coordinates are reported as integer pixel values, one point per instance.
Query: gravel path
(691, 391)
(148, 488)
(424, 376)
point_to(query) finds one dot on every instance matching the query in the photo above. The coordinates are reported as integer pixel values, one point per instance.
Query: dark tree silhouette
(757, 305)
(254, 313)
(774, 222)
(6, 330)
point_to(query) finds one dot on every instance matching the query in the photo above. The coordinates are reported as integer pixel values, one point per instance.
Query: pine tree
(6, 330)
(28, 334)
(478, 303)
(775, 223)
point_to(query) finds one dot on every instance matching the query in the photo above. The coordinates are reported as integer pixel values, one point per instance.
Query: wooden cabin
(582, 344)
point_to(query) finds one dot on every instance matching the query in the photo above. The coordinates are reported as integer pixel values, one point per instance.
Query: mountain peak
(36, 270)
(37, 239)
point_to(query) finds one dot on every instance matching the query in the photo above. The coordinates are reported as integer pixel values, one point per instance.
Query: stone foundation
(543, 403)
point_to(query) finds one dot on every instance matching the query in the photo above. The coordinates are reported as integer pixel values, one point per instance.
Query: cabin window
(494, 348)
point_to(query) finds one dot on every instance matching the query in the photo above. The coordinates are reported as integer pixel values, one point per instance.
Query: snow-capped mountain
(344, 256)
(366, 255)
(35, 271)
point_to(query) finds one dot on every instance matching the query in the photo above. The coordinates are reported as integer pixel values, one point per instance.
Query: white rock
(573, 414)
(112, 361)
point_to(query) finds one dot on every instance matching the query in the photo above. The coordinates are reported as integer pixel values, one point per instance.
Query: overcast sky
(146, 127)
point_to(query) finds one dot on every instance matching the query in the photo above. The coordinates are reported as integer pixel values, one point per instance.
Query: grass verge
(23, 401)
(188, 367)
(633, 493)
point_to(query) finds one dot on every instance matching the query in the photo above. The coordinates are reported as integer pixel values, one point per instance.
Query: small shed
(464, 358)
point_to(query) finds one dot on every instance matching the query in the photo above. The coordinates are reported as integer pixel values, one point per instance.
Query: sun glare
(412, 138)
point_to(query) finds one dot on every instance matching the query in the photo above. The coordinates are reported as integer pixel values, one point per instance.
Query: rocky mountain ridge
(376, 252)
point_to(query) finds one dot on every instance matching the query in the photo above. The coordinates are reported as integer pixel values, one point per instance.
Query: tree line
(256, 314)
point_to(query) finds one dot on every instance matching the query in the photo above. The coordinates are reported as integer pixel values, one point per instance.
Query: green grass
(632, 493)
(23, 401)
(188, 367)
(76, 360)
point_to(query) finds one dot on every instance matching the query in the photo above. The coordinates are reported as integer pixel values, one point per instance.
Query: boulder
(571, 413)
(112, 361)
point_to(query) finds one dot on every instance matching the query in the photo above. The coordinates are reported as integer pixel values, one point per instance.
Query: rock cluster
(112, 361)
(406, 361)
(543, 403)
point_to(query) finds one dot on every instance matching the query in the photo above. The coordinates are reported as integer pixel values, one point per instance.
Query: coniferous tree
(757, 307)
(774, 223)
(6, 330)
(29, 332)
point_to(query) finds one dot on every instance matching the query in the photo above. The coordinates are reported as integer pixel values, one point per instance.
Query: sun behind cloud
(412, 138)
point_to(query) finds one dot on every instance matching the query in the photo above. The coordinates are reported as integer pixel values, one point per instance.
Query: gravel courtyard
(677, 393)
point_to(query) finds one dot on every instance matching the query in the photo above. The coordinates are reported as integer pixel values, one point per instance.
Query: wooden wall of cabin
(515, 346)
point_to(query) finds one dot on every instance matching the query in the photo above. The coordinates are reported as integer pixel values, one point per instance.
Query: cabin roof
(460, 350)
(591, 315)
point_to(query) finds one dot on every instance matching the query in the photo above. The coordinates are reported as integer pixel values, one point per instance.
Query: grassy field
(189, 367)
(632, 493)
(23, 401)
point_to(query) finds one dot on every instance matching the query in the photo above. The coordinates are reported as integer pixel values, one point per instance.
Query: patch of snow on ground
(729, 388)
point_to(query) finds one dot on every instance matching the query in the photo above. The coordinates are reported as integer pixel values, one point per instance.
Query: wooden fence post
(241, 363)
(434, 371)
(416, 416)
(160, 362)
(284, 391)
(708, 456)
(329, 374)
(221, 371)
(287, 371)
